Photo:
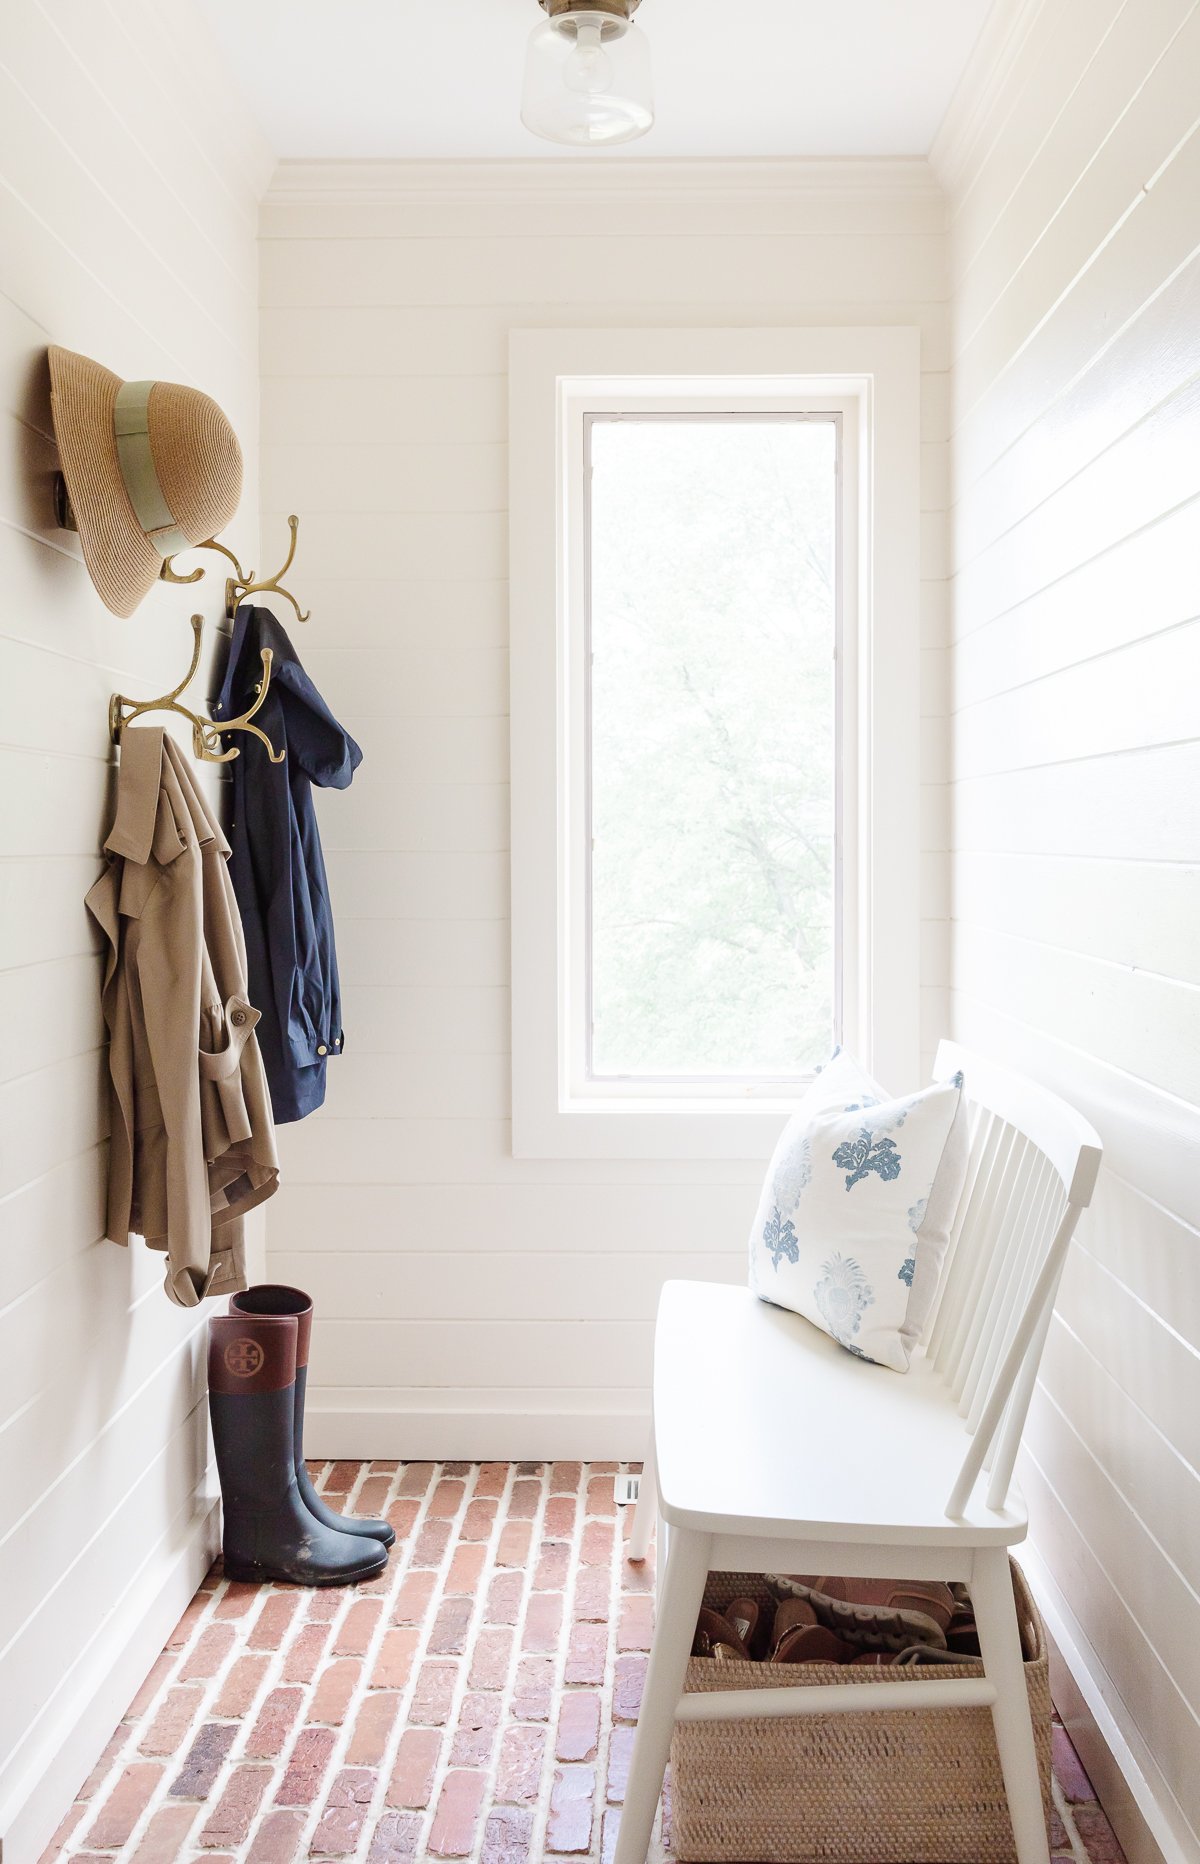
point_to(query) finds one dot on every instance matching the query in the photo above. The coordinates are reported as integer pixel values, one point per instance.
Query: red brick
(491, 1479)
(431, 1698)
(620, 1753)
(164, 1837)
(559, 1518)
(553, 1567)
(457, 1469)
(586, 1653)
(1069, 1769)
(612, 1829)
(529, 1469)
(593, 1594)
(237, 1599)
(203, 1761)
(305, 1774)
(570, 1824)
(448, 1635)
(345, 1814)
(124, 1805)
(103, 1766)
(1098, 1837)
(323, 1606)
(241, 1686)
(275, 1718)
(373, 1726)
(534, 1689)
(627, 1688)
(637, 1624)
(232, 1816)
(208, 1654)
(578, 1726)
(187, 1624)
(565, 1478)
(638, 1575)
(431, 1543)
(335, 1686)
(383, 1466)
(446, 1500)
(520, 1771)
(168, 1731)
(489, 1661)
(415, 1479)
(513, 1546)
(403, 1515)
(507, 1836)
(341, 1479)
(358, 1628)
(504, 1599)
(466, 1571)
(371, 1499)
(416, 1763)
(604, 1469)
(393, 1661)
(304, 1653)
(543, 1621)
(395, 1839)
(412, 1600)
(597, 1545)
(159, 1671)
(600, 1497)
(459, 1805)
(277, 1839)
(523, 1500)
(267, 1631)
(475, 1736)
(478, 1521)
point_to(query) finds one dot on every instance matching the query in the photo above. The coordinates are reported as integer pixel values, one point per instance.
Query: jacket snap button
(321, 1049)
(238, 1018)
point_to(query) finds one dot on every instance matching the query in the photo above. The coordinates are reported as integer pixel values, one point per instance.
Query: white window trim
(873, 376)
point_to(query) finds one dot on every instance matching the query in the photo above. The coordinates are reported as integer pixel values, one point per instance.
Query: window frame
(869, 378)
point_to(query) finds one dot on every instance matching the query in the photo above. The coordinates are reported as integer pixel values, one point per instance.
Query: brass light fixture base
(622, 10)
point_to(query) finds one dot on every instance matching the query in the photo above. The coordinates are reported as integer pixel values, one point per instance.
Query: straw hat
(151, 468)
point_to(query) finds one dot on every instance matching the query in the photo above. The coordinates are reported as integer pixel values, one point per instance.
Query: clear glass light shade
(588, 81)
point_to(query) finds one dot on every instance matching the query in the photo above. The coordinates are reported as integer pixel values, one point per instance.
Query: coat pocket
(224, 1116)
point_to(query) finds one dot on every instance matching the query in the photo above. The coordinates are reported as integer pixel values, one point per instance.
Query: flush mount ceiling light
(587, 74)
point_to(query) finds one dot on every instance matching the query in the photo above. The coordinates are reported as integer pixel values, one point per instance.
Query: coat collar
(159, 807)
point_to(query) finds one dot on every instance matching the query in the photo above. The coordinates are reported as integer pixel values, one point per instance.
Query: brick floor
(477, 1703)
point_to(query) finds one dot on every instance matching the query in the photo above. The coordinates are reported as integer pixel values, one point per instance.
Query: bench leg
(646, 1511)
(1000, 1645)
(682, 1590)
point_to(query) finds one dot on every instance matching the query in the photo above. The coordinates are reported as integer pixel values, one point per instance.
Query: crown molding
(406, 182)
(997, 49)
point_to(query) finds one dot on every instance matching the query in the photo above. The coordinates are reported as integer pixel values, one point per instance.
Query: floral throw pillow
(856, 1210)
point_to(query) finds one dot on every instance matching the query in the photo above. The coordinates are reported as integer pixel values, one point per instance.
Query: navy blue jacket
(277, 866)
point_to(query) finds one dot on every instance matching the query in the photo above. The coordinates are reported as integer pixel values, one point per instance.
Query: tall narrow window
(711, 586)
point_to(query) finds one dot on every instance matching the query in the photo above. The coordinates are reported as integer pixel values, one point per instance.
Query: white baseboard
(1140, 1806)
(102, 1685)
(420, 1432)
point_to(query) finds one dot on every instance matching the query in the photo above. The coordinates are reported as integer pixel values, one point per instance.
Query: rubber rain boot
(275, 1298)
(268, 1531)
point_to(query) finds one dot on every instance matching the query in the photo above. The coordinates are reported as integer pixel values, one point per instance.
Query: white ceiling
(442, 78)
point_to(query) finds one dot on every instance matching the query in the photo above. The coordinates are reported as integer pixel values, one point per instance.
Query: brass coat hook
(206, 736)
(238, 587)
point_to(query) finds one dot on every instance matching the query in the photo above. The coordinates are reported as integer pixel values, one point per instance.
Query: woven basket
(877, 1788)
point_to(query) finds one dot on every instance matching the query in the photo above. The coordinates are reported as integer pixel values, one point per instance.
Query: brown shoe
(714, 1634)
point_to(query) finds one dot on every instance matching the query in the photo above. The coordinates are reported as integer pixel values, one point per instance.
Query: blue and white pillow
(855, 1213)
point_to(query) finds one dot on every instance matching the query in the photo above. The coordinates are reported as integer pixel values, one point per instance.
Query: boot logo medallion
(243, 1358)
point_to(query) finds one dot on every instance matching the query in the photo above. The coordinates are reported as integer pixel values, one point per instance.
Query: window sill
(652, 1129)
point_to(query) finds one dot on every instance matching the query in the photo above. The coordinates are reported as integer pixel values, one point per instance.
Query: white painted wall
(1073, 164)
(127, 228)
(469, 1303)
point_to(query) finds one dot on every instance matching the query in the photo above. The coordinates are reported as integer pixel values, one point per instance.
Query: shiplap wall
(470, 1303)
(1073, 165)
(128, 202)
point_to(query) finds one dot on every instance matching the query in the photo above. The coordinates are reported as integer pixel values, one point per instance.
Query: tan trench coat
(192, 1144)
